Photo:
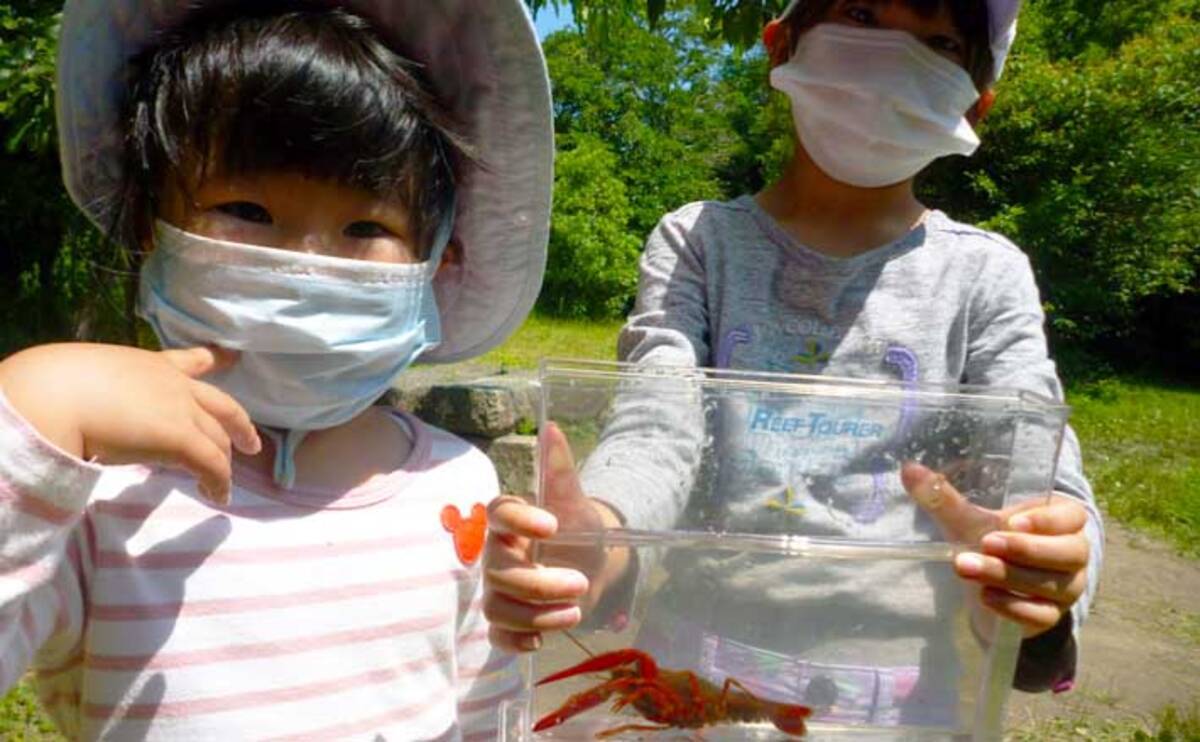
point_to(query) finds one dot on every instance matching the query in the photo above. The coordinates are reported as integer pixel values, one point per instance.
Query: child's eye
(367, 230)
(862, 16)
(247, 211)
(946, 45)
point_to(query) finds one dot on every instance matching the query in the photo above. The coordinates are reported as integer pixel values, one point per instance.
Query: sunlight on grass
(1170, 724)
(21, 717)
(1141, 448)
(547, 337)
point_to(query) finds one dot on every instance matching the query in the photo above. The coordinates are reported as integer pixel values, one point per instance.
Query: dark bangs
(310, 92)
(970, 18)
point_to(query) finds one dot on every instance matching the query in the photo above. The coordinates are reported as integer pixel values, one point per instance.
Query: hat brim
(485, 63)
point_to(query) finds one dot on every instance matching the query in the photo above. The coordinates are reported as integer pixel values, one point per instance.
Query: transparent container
(781, 577)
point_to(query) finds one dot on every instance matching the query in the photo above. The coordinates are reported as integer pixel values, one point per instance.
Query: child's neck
(339, 459)
(834, 218)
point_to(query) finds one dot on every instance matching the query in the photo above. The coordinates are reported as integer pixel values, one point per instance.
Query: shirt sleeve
(1008, 348)
(43, 492)
(646, 461)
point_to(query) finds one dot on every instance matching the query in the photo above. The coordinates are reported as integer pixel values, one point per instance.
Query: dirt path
(1141, 645)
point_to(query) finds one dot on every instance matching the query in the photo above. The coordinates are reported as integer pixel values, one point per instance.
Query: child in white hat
(835, 269)
(316, 195)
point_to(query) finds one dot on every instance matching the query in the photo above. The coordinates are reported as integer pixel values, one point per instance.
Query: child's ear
(452, 256)
(982, 107)
(777, 38)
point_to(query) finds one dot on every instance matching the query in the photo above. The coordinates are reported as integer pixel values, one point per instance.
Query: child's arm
(123, 405)
(61, 404)
(42, 555)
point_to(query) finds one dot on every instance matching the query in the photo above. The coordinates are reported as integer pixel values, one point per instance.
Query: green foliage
(738, 22)
(22, 718)
(593, 259)
(1091, 162)
(48, 276)
(641, 131)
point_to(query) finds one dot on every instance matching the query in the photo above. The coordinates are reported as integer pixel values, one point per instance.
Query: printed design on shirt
(469, 533)
(790, 504)
(740, 335)
(905, 361)
(814, 354)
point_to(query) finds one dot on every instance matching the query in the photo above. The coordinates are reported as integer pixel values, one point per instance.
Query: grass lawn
(546, 337)
(1141, 443)
(1141, 448)
(1168, 725)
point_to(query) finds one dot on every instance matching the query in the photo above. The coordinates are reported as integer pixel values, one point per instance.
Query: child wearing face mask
(835, 269)
(226, 539)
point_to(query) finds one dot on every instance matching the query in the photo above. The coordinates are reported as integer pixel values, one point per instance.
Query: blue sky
(548, 20)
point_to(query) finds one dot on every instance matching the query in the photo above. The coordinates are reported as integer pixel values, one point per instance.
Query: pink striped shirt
(148, 613)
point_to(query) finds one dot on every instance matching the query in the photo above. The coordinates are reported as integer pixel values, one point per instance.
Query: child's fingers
(212, 429)
(1068, 553)
(1062, 516)
(537, 584)
(231, 415)
(516, 615)
(1035, 615)
(959, 518)
(514, 641)
(513, 516)
(200, 455)
(1063, 588)
(563, 490)
(196, 362)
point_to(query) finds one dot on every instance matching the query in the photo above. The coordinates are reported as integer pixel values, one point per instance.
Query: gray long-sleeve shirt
(724, 285)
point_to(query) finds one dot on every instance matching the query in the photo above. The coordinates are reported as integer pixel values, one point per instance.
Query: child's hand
(125, 405)
(522, 598)
(1033, 558)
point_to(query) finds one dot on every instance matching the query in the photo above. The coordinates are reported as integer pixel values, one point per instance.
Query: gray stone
(515, 459)
(470, 410)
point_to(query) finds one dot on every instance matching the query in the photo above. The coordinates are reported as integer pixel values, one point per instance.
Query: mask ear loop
(286, 442)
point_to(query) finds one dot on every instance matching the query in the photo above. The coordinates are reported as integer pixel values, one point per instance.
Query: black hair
(970, 17)
(272, 89)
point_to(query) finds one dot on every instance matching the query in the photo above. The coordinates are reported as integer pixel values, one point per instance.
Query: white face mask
(874, 107)
(321, 338)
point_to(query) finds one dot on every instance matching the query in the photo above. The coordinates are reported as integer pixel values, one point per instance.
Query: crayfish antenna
(579, 644)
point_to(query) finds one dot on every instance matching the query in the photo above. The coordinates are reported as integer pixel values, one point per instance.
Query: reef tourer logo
(813, 425)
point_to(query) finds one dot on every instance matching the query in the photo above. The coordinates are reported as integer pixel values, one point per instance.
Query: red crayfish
(673, 699)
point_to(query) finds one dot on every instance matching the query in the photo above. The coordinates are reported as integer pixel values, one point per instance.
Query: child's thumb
(196, 362)
(561, 486)
(960, 520)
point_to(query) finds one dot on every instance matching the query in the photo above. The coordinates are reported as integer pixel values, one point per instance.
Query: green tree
(1091, 163)
(52, 285)
(593, 257)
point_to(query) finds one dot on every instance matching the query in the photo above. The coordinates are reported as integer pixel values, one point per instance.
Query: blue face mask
(321, 338)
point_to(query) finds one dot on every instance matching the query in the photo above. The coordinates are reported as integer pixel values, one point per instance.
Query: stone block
(515, 459)
(469, 410)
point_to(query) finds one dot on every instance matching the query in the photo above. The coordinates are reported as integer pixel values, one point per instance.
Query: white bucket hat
(1002, 15)
(482, 58)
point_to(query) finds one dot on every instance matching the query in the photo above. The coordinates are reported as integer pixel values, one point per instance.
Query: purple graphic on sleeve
(905, 361)
(740, 335)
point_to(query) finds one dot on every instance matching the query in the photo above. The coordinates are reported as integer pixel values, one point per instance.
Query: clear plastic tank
(782, 577)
